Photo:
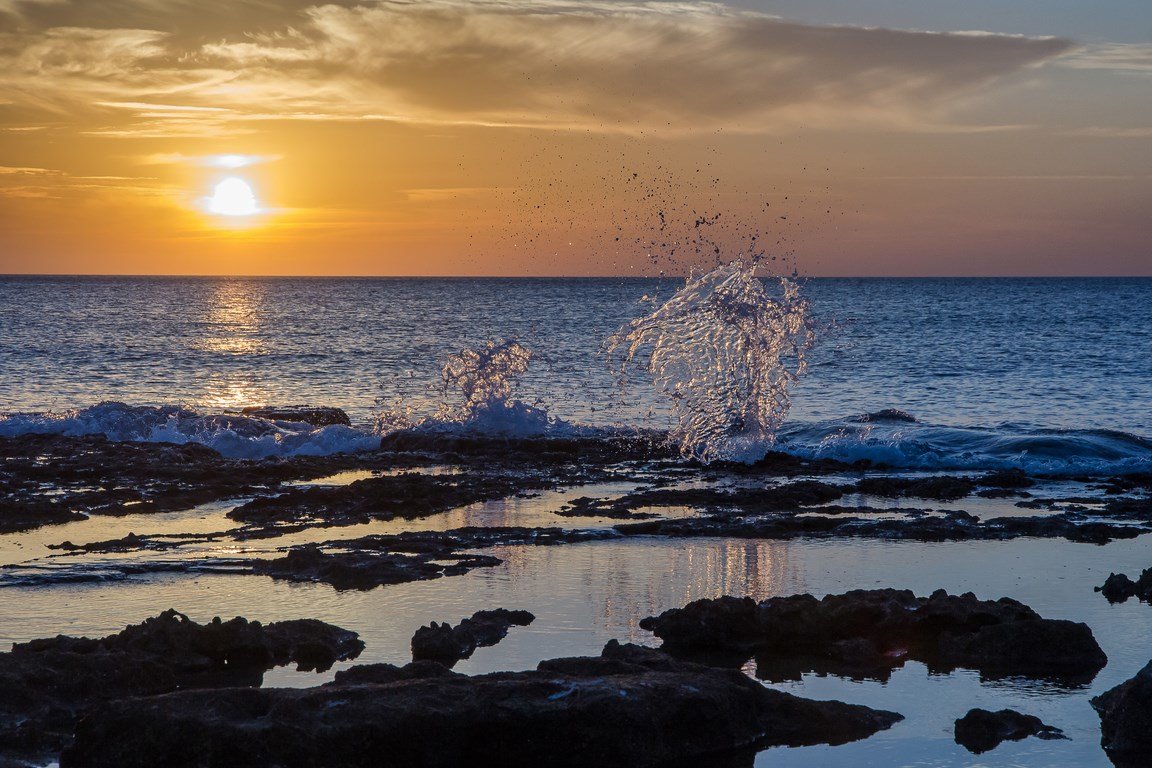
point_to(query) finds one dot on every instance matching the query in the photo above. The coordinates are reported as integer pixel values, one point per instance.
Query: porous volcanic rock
(870, 632)
(630, 706)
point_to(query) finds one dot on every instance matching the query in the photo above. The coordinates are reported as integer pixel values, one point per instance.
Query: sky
(549, 137)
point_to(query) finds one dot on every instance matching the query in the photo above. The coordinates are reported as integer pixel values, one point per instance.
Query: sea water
(1049, 374)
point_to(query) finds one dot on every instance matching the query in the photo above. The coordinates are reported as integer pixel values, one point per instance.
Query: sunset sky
(542, 137)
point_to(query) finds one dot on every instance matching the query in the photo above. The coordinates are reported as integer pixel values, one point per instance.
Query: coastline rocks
(870, 632)
(980, 730)
(630, 706)
(49, 683)
(1126, 721)
(1117, 588)
(317, 416)
(448, 645)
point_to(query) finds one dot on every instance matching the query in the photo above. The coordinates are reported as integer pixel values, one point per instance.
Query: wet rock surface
(1126, 721)
(447, 644)
(48, 684)
(630, 706)
(980, 730)
(867, 633)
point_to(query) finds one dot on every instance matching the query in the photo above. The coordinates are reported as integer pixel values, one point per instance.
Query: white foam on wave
(234, 436)
(932, 447)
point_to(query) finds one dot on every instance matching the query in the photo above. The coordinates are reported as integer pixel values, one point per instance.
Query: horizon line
(5, 275)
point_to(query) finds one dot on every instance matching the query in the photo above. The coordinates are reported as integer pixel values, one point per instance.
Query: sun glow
(233, 197)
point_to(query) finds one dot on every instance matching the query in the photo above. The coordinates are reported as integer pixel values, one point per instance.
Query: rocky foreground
(631, 706)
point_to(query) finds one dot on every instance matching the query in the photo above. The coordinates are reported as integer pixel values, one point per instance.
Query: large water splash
(727, 354)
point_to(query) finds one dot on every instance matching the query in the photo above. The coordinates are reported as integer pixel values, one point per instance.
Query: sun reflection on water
(234, 324)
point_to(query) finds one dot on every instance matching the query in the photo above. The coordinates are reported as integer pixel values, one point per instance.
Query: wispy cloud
(1133, 57)
(546, 63)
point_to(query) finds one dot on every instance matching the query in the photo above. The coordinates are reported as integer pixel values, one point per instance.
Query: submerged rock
(630, 706)
(1126, 721)
(870, 632)
(980, 730)
(448, 645)
(48, 684)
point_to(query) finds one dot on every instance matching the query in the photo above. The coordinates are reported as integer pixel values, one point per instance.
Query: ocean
(922, 375)
(1051, 374)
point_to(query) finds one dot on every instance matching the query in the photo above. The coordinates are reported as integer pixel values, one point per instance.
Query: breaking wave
(903, 443)
(234, 436)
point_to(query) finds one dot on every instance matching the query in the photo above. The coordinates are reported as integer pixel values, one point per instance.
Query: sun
(233, 197)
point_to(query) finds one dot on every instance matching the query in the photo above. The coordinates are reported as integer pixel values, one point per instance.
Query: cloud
(545, 63)
(1133, 57)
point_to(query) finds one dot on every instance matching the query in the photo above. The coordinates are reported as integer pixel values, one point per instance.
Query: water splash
(727, 354)
(477, 396)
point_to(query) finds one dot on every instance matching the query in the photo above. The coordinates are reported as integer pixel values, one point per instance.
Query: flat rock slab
(630, 706)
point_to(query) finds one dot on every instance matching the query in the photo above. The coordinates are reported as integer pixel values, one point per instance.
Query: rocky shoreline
(127, 698)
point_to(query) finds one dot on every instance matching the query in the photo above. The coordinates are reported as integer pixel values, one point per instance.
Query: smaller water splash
(727, 354)
(477, 389)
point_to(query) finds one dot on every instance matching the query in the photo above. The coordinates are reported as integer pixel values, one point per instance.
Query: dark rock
(888, 414)
(980, 730)
(1126, 721)
(867, 632)
(317, 416)
(942, 488)
(629, 707)
(368, 570)
(448, 645)
(48, 684)
(1006, 479)
(1117, 588)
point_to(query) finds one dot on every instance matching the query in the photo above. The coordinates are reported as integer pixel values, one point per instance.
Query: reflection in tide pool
(585, 594)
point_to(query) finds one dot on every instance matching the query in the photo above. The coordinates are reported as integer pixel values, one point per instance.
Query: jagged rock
(448, 645)
(48, 684)
(980, 730)
(1126, 721)
(630, 706)
(873, 631)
